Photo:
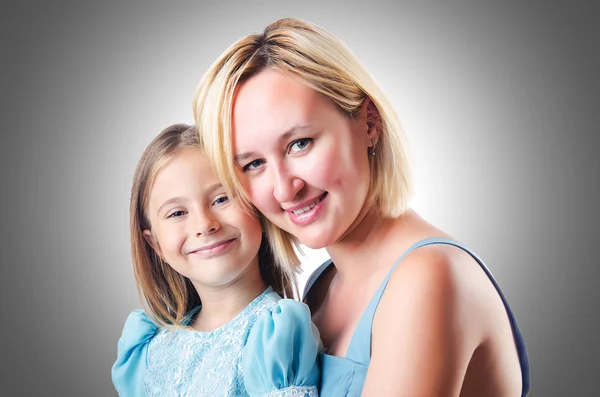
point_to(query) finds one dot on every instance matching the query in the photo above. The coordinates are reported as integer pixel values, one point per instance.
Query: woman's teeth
(308, 207)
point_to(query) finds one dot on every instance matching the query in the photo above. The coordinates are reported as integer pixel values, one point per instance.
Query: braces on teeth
(308, 207)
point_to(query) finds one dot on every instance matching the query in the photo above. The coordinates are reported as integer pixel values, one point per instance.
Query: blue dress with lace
(269, 349)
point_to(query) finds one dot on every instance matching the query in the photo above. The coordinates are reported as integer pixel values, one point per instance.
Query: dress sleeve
(281, 355)
(129, 369)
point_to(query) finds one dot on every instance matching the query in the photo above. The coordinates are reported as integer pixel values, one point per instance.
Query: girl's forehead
(187, 172)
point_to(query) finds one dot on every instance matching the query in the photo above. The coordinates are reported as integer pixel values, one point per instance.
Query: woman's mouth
(308, 212)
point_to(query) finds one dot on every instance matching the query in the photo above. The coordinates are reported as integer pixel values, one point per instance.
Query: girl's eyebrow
(169, 201)
(214, 187)
(209, 190)
(296, 129)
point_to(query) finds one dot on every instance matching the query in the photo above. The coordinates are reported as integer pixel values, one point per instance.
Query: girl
(297, 127)
(216, 323)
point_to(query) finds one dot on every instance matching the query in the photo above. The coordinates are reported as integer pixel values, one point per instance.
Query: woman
(295, 125)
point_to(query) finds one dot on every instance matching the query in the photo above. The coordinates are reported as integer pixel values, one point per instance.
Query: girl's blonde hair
(321, 61)
(167, 295)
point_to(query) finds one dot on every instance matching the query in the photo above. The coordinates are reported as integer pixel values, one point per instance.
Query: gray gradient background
(500, 103)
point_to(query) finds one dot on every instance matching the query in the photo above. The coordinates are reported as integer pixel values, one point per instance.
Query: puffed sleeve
(129, 369)
(280, 357)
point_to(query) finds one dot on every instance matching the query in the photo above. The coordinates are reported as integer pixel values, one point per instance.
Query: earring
(373, 147)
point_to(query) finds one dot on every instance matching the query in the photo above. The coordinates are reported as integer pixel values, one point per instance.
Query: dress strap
(315, 276)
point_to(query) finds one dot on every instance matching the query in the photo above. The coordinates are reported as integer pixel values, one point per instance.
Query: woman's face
(304, 163)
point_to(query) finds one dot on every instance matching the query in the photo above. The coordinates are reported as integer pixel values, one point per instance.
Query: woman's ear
(153, 242)
(373, 121)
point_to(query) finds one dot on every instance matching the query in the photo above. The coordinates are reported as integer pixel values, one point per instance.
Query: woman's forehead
(273, 105)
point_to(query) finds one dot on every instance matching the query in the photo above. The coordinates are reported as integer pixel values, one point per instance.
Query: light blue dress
(269, 349)
(345, 376)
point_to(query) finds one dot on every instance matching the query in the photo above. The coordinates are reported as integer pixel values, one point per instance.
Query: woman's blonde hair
(309, 53)
(167, 295)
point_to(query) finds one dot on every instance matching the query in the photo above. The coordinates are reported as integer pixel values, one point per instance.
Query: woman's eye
(299, 145)
(252, 165)
(176, 214)
(221, 200)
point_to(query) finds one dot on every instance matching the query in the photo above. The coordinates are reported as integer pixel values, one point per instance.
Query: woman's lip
(309, 216)
(305, 203)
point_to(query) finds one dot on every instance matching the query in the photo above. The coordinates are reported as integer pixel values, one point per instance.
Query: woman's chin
(315, 242)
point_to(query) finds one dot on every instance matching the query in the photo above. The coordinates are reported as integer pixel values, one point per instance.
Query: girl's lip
(213, 249)
(207, 247)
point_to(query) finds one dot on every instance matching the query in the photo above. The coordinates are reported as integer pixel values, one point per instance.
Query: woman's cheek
(322, 168)
(260, 195)
(252, 188)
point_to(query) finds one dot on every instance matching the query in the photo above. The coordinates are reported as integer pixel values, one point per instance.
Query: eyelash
(257, 163)
(247, 166)
(307, 140)
(173, 214)
(180, 213)
(221, 197)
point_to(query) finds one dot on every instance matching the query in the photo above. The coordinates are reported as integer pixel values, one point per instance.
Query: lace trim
(295, 391)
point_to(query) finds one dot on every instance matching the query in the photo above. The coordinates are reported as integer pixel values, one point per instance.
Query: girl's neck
(222, 304)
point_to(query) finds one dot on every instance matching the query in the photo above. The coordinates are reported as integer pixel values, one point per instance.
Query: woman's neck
(221, 304)
(364, 242)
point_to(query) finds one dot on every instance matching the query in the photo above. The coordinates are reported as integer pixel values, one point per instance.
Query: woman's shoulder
(132, 350)
(427, 298)
(438, 284)
(434, 271)
(433, 267)
(443, 266)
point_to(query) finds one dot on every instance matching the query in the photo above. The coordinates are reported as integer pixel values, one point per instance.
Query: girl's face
(304, 164)
(196, 228)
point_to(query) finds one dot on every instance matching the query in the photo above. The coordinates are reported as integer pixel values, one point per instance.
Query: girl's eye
(176, 214)
(299, 145)
(253, 165)
(221, 200)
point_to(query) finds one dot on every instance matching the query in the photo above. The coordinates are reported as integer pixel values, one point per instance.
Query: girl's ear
(153, 242)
